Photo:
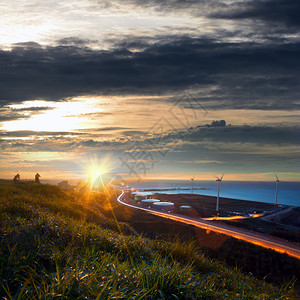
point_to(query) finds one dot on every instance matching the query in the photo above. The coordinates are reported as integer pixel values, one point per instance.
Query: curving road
(266, 241)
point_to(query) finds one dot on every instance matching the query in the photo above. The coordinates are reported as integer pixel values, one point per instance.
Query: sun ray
(98, 171)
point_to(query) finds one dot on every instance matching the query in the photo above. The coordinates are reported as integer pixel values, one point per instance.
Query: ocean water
(288, 192)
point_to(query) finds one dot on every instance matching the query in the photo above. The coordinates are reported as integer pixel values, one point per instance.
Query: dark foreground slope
(59, 246)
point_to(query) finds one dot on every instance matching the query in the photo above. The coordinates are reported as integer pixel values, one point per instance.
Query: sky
(150, 89)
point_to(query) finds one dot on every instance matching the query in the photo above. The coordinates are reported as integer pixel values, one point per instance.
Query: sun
(95, 178)
(98, 171)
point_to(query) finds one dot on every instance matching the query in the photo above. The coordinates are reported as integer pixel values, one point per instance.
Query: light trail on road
(225, 218)
(263, 240)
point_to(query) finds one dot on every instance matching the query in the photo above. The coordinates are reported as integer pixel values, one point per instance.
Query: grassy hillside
(55, 245)
(263, 263)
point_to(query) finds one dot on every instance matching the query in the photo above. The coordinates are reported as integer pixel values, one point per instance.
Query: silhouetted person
(17, 178)
(37, 178)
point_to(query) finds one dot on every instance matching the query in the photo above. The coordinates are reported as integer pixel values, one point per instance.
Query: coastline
(258, 191)
(205, 205)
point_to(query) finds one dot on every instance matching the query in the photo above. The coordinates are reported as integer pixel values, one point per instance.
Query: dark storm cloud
(61, 143)
(234, 146)
(206, 142)
(243, 74)
(221, 123)
(262, 135)
(74, 41)
(284, 12)
(12, 114)
(9, 116)
(278, 91)
(192, 7)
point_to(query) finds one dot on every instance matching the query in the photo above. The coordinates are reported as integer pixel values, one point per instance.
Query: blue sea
(288, 192)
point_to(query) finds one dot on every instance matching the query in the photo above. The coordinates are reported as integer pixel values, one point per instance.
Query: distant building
(148, 202)
(185, 209)
(138, 197)
(64, 185)
(166, 206)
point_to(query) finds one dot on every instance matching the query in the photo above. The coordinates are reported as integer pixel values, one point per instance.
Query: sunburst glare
(98, 172)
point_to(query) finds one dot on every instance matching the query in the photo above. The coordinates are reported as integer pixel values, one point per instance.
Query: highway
(266, 241)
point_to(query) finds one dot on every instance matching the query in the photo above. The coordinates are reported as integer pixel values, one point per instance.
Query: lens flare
(98, 172)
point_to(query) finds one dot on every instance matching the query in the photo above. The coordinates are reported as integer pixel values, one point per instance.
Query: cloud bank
(238, 74)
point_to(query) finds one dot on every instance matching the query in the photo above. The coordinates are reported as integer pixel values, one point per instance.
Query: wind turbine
(193, 184)
(176, 188)
(219, 180)
(277, 182)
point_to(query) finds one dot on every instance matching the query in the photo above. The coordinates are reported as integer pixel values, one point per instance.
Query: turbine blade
(276, 175)
(222, 176)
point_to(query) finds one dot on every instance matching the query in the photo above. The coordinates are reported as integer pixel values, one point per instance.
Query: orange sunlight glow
(97, 171)
(61, 116)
